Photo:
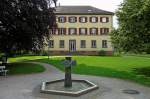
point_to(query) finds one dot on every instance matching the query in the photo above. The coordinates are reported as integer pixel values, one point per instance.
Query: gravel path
(27, 86)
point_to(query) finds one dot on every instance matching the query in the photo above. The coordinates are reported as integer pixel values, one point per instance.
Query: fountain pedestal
(68, 63)
(68, 81)
(68, 86)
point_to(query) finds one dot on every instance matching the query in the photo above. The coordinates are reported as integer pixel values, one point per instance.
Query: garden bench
(3, 70)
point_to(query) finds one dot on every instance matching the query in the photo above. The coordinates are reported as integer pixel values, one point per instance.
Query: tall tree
(25, 24)
(145, 14)
(133, 33)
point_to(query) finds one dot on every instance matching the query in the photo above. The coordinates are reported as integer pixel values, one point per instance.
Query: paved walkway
(27, 86)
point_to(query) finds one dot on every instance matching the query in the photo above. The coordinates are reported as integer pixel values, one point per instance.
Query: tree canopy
(133, 33)
(25, 24)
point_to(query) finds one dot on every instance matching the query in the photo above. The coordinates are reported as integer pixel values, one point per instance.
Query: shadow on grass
(24, 68)
(142, 71)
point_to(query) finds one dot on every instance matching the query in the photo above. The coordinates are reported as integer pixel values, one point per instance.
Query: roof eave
(111, 13)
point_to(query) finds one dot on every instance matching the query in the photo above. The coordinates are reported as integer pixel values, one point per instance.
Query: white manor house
(83, 30)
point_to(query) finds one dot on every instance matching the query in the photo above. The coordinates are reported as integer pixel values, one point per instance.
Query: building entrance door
(72, 45)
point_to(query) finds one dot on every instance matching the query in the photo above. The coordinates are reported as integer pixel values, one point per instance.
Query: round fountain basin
(78, 88)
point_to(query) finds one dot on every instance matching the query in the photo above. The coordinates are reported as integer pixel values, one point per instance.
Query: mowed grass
(126, 67)
(24, 68)
(118, 67)
(126, 63)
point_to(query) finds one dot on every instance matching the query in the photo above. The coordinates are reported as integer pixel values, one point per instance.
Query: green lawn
(140, 55)
(24, 68)
(132, 68)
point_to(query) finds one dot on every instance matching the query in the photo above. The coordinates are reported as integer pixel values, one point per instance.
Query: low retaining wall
(109, 53)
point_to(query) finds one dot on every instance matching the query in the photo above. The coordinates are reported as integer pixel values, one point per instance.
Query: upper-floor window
(93, 19)
(61, 31)
(72, 19)
(82, 31)
(53, 31)
(72, 31)
(51, 44)
(93, 44)
(83, 19)
(93, 31)
(61, 43)
(83, 44)
(104, 44)
(62, 19)
(104, 19)
(104, 31)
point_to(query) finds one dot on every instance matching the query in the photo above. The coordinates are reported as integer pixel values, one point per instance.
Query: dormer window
(89, 11)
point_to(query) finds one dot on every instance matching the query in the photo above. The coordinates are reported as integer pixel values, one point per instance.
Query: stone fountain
(68, 86)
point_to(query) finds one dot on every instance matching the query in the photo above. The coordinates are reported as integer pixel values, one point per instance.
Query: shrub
(44, 53)
(116, 54)
(102, 53)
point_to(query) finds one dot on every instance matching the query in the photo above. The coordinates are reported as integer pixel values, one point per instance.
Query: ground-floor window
(51, 44)
(72, 45)
(61, 43)
(104, 44)
(83, 44)
(93, 44)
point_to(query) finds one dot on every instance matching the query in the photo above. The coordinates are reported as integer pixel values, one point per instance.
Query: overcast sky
(109, 5)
